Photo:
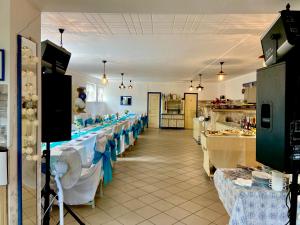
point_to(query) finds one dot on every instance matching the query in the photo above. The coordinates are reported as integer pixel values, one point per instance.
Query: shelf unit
(172, 121)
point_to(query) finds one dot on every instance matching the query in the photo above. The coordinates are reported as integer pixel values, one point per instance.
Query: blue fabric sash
(80, 122)
(88, 121)
(112, 145)
(118, 137)
(134, 131)
(106, 163)
(126, 134)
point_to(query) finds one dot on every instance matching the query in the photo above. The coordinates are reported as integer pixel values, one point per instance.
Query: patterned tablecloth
(250, 205)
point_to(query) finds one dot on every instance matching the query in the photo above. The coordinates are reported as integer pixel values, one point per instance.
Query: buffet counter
(221, 151)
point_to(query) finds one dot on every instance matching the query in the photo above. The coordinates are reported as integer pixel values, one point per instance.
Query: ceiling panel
(159, 47)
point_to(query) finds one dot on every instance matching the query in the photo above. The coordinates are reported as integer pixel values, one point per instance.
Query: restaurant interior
(135, 112)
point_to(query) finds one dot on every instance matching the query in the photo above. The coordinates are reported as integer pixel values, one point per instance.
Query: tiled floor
(161, 181)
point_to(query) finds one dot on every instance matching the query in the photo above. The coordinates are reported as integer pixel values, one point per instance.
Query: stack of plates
(261, 179)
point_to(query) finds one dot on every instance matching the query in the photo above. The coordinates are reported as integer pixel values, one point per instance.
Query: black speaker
(278, 116)
(56, 107)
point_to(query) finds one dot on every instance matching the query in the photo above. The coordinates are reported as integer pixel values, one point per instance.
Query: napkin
(243, 182)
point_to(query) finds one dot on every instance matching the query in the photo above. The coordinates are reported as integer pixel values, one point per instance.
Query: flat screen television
(125, 100)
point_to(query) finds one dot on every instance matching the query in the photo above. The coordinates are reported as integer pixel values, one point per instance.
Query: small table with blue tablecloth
(250, 205)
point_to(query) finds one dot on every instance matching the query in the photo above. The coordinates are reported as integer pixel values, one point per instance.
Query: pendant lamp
(122, 86)
(200, 87)
(191, 87)
(104, 79)
(221, 74)
(130, 85)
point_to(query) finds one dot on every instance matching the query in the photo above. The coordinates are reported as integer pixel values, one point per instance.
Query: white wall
(17, 17)
(233, 88)
(230, 88)
(80, 80)
(139, 92)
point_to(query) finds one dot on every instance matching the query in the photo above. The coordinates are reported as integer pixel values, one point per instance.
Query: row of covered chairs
(98, 170)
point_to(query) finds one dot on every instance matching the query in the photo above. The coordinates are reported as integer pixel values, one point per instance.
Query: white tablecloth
(250, 206)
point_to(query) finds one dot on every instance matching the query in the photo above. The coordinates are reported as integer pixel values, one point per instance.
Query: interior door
(153, 109)
(190, 109)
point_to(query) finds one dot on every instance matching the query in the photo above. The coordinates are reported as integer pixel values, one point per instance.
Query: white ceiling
(159, 47)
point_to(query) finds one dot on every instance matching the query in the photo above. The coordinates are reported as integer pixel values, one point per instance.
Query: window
(100, 94)
(91, 95)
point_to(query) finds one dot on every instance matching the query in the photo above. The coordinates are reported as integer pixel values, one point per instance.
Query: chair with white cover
(84, 191)
(131, 137)
(125, 143)
(117, 137)
(102, 152)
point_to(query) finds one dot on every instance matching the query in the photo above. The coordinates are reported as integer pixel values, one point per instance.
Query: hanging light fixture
(130, 86)
(200, 87)
(122, 86)
(191, 87)
(221, 74)
(104, 79)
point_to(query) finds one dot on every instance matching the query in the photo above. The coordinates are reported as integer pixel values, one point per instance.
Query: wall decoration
(126, 100)
(2, 63)
(28, 149)
(80, 101)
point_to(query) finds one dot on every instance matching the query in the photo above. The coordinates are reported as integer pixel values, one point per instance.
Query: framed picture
(2, 64)
(125, 100)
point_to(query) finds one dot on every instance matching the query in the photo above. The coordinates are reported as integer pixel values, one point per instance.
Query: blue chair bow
(106, 156)
(79, 122)
(118, 137)
(112, 145)
(88, 121)
(126, 135)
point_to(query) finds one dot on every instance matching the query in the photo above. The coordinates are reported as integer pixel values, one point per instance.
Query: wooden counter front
(228, 151)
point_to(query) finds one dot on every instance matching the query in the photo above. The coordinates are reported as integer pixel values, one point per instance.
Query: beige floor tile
(130, 219)
(178, 213)
(134, 204)
(149, 188)
(146, 222)
(162, 205)
(114, 222)
(105, 203)
(224, 220)
(195, 220)
(158, 176)
(162, 194)
(179, 223)
(175, 200)
(135, 193)
(147, 212)
(208, 214)
(191, 206)
(188, 195)
(121, 198)
(218, 207)
(148, 199)
(162, 219)
(99, 218)
(85, 211)
(202, 201)
(172, 189)
(117, 211)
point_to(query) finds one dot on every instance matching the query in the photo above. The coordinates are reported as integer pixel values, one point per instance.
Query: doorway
(153, 109)
(190, 109)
